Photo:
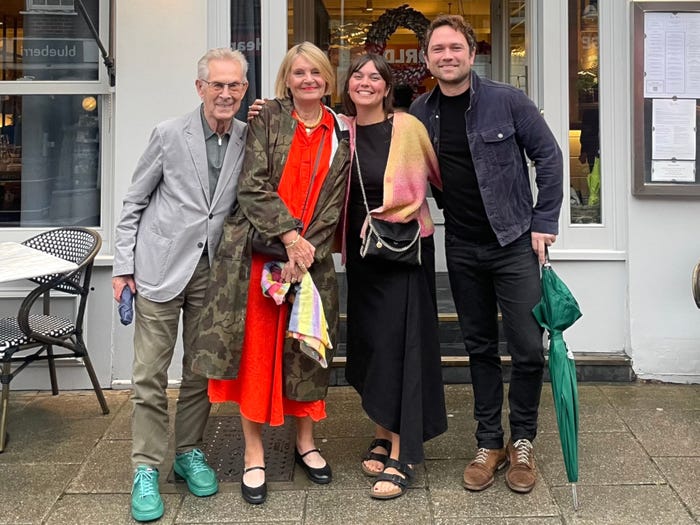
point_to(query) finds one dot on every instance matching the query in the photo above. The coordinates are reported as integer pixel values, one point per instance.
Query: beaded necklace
(310, 127)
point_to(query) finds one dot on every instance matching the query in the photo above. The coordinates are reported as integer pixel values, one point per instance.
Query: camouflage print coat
(218, 348)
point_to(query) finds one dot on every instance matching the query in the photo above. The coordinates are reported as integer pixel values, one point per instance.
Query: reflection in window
(395, 28)
(49, 40)
(49, 160)
(245, 37)
(517, 40)
(584, 113)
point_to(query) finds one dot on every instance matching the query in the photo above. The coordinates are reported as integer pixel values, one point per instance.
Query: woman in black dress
(392, 344)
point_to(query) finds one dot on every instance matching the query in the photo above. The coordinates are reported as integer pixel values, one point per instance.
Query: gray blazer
(167, 215)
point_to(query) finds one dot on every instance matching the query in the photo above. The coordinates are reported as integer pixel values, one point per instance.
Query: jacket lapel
(194, 137)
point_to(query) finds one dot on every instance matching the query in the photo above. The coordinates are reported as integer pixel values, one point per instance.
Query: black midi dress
(393, 352)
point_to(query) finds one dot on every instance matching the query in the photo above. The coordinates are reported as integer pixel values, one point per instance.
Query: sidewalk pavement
(639, 464)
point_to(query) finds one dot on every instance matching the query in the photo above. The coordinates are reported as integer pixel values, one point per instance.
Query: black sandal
(376, 456)
(400, 481)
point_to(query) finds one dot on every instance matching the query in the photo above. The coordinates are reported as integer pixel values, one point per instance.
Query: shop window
(51, 132)
(584, 113)
(49, 160)
(396, 29)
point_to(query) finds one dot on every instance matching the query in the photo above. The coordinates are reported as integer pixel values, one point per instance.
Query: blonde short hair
(315, 56)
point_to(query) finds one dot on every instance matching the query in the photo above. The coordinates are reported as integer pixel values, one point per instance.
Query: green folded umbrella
(557, 311)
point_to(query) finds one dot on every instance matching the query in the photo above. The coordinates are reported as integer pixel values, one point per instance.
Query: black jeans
(484, 276)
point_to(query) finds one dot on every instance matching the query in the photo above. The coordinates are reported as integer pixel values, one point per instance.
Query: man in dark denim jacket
(494, 237)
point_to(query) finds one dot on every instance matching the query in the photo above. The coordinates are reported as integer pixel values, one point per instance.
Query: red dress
(259, 387)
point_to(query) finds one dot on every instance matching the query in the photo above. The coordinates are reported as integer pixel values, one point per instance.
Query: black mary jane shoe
(321, 476)
(254, 495)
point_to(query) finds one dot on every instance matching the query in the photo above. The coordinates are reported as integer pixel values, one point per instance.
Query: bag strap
(359, 176)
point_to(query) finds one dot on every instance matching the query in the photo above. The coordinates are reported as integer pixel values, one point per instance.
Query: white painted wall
(158, 44)
(600, 287)
(664, 246)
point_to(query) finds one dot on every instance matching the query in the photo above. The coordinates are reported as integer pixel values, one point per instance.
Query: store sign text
(247, 45)
(403, 55)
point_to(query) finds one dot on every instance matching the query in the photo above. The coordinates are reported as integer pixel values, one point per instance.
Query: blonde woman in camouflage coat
(291, 189)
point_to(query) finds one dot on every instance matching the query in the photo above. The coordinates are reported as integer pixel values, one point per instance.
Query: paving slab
(281, 506)
(652, 396)
(107, 469)
(591, 418)
(344, 507)
(458, 442)
(105, 509)
(80, 405)
(42, 437)
(29, 502)
(451, 500)
(623, 505)
(604, 459)
(665, 431)
(682, 474)
(539, 520)
(344, 420)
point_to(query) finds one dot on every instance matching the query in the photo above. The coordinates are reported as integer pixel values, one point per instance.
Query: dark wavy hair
(384, 71)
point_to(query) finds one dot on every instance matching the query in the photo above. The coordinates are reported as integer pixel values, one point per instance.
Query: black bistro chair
(31, 337)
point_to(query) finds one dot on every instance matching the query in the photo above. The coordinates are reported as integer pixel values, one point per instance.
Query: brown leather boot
(479, 474)
(520, 476)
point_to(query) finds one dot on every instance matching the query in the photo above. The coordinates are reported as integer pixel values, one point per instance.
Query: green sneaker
(200, 477)
(146, 504)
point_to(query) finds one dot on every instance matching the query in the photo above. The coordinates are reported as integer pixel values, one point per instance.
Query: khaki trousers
(155, 333)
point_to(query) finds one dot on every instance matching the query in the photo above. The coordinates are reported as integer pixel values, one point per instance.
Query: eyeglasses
(219, 86)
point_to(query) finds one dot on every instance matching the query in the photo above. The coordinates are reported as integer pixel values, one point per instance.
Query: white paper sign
(672, 171)
(671, 55)
(673, 129)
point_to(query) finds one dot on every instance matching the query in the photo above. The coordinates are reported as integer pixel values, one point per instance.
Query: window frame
(607, 239)
(101, 90)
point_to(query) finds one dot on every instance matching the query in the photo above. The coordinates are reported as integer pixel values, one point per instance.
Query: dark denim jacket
(503, 125)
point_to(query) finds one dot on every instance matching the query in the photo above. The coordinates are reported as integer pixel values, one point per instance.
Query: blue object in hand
(126, 306)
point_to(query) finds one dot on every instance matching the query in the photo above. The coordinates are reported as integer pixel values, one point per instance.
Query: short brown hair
(457, 23)
(311, 53)
(384, 71)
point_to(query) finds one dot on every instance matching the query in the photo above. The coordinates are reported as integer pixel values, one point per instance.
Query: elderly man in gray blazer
(183, 188)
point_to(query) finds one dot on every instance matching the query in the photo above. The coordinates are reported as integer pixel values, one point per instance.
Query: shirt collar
(208, 132)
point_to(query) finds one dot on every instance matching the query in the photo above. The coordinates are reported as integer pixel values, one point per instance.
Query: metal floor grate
(223, 446)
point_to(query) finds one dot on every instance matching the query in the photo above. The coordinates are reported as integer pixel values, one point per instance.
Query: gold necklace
(315, 124)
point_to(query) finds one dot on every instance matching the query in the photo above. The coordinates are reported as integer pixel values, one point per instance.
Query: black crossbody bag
(390, 241)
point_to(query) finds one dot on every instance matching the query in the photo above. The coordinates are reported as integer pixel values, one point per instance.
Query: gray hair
(220, 53)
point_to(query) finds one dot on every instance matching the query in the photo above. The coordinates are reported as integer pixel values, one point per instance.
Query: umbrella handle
(546, 264)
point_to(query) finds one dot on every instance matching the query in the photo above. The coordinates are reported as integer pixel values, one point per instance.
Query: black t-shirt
(464, 211)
